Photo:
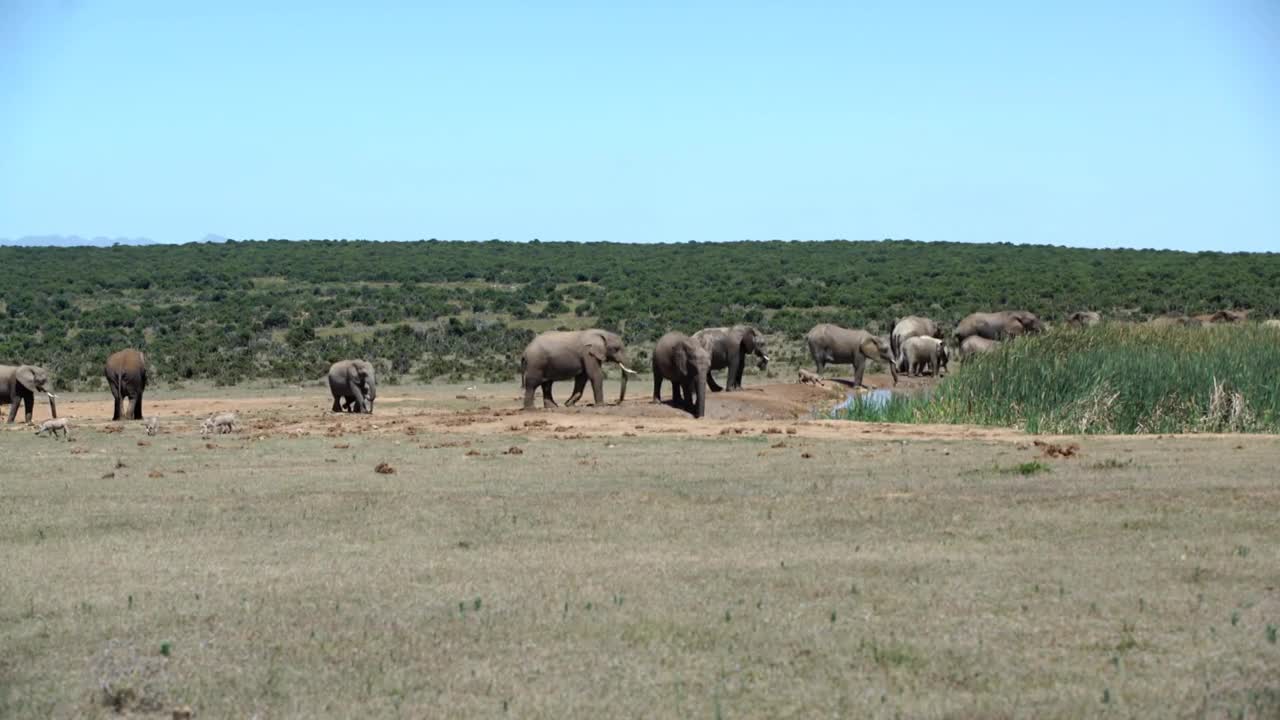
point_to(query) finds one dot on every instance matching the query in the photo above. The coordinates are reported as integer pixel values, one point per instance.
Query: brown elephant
(907, 328)
(19, 385)
(687, 364)
(728, 348)
(579, 356)
(126, 373)
(354, 386)
(998, 325)
(834, 344)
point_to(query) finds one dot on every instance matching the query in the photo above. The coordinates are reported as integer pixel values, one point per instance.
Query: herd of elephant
(916, 345)
(352, 383)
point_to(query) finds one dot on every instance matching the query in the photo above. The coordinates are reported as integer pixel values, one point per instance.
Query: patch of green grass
(1108, 379)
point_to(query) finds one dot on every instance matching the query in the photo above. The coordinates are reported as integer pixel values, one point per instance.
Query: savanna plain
(453, 556)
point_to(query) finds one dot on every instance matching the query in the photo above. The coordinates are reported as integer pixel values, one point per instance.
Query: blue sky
(1135, 124)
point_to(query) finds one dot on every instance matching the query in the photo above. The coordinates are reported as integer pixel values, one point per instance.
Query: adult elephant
(998, 325)
(126, 373)
(19, 385)
(686, 363)
(907, 328)
(354, 386)
(834, 344)
(571, 355)
(729, 348)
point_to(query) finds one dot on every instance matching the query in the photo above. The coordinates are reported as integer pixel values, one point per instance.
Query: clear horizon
(1152, 125)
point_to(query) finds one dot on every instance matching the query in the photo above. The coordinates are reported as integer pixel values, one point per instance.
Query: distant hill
(73, 241)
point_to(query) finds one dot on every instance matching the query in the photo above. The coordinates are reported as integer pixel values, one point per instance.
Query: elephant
(126, 373)
(19, 385)
(921, 352)
(571, 355)
(998, 325)
(907, 328)
(729, 348)
(687, 364)
(1083, 318)
(1223, 316)
(354, 386)
(834, 344)
(975, 345)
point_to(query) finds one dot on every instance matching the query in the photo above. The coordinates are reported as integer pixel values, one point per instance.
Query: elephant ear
(682, 357)
(27, 376)
(595, 345)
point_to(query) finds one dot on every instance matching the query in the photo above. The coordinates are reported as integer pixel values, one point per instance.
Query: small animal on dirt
(222, 424)
(152, 425)
(808, 377)
(53, 427)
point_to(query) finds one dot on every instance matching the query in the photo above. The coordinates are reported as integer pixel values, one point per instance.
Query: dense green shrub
(282, 309)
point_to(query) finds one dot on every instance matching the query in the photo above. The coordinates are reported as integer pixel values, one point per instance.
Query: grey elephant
(571, 355)
(19, 385)
(126, 373)
(998, 325)
(975, 345)
(687, 364)
(834, 344)
(907, 328)
(1083, 318)
(729, 348)
(354, 386)
(925, 352)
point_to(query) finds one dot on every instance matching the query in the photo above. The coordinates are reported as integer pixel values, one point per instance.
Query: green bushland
(464, 310)
(1112, 378)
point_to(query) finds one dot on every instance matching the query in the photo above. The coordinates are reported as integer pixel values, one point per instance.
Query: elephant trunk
(764, 360)
(700, 408)
(53, 406)
(893, 370)
(622, 394)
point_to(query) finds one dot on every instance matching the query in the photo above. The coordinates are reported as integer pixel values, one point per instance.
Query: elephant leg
(579, 383)
(337, 404)
(597, 384)
(711, 383)
(13, 408)
(859, 365)
(690, 395)
(657, 387)
(115, 397)
(733, 376)
(529, 389)
(547, 400)
(137, 407)
(28, 404)
(677, 395)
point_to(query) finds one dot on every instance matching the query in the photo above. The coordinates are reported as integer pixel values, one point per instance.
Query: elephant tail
(524, 365)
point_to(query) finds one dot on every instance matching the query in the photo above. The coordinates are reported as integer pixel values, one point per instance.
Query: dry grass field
(629, 562)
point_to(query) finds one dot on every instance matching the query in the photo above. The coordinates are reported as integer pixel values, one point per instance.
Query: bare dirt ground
(496, 410)
(454, 556)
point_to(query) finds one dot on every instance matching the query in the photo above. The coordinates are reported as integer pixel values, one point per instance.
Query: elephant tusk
(46, 392)
(626, 369)
(764, 357)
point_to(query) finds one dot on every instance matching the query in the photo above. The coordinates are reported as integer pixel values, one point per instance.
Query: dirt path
(782, 408)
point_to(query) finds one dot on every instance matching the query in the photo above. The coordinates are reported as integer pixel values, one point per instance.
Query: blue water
(875, 399)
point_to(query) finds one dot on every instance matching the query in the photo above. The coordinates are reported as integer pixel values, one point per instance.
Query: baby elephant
(53, 427)
(224, 423)
(921, 352)
(680, 359)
